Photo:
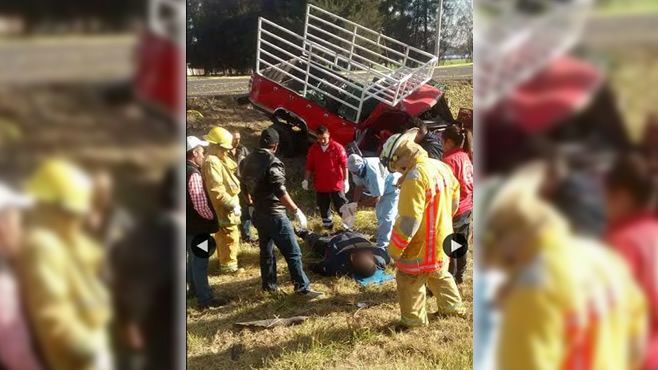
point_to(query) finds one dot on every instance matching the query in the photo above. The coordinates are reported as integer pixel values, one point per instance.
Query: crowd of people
(84, 285)
(568, 252)
(421, 185)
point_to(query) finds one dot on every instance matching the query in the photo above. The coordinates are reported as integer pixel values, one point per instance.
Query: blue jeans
(245, 225)
(277, 229)
(197, 275)
(385, 211)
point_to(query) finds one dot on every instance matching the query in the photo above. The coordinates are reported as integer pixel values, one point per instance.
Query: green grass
(338, 335)
(620, 7)
(455, 62)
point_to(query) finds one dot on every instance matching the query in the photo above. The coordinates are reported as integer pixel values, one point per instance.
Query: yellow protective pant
(228, 247)
(413, 298)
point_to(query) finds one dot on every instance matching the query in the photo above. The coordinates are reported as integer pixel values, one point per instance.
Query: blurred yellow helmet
(59, 182)
(220, 136)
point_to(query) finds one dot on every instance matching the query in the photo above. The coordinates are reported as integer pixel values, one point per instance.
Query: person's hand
(347, 214)
(299, 216)
(103, 360)
(134, 337)
(305, 184)
(346, 185)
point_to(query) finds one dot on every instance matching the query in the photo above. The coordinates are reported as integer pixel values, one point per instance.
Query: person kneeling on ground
(345, 253)
(264, 177)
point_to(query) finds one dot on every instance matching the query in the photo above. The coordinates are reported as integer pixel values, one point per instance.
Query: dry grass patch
(338, 335)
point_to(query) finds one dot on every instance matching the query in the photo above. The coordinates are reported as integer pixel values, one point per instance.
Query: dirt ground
(338, 335)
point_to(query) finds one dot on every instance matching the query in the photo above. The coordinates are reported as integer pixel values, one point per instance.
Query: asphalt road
(620, 32)
(66, 59)
(200, 86)
(107, 58)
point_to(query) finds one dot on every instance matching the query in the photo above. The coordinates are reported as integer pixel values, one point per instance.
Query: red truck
(159, 59)
(360, 84)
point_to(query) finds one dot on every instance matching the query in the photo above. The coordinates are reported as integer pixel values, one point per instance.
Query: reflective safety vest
(429, 198)
(574, 307)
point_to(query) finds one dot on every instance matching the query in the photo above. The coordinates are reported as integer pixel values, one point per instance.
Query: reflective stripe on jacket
(429, 197)
(574, 307)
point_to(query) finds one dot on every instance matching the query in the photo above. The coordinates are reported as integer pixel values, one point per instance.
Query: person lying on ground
(345, 253)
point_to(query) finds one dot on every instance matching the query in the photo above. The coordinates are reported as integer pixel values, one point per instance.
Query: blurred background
(565, 121)
(92, 101)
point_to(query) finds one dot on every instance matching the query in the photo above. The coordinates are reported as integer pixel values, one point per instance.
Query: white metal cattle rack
(513, 43)
(342, 60)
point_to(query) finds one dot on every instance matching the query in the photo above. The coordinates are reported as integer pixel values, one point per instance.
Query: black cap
(268, 137)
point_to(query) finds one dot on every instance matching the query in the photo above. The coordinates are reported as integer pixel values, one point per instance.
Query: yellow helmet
(61, 183)
(220, 136)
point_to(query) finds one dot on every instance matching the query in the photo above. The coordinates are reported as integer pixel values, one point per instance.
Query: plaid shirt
(15, 344)
(198, 196)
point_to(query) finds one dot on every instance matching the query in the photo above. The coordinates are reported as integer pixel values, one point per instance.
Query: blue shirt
(376, 179)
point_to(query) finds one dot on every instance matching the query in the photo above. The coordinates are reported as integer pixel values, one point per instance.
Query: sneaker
(310, 294)
(215, 302)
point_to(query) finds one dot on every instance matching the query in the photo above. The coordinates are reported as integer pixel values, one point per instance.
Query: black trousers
(324, 201)
(460, 225)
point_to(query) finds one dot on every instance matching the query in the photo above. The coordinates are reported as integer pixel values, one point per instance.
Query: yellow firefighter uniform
(67, 303)
(223, 186)
(569, 303)
(429, 197)
(574, 307)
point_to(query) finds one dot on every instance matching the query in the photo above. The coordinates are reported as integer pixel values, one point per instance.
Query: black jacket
(337, 250)
(264, 178)
(195, 224)
(432, 145)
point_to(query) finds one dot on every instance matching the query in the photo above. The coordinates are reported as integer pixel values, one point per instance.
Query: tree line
(221, 34)
(65, 15)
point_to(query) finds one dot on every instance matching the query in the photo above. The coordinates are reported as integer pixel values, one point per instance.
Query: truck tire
(287, 147)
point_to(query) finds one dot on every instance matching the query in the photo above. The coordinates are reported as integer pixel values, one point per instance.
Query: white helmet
(387, 157)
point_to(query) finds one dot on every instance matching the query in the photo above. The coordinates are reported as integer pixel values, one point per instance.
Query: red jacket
(636, 239)
(328, 167)
(462, 168)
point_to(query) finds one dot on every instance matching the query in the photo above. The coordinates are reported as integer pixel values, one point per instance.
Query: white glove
(346, 185)
(347, 214)
(299, 216)
(305, 184)
(103, 360)
(237, 210)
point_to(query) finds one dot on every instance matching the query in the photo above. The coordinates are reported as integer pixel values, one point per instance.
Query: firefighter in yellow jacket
(429, 197)
(66, 301)
(567, 302)
(219, 176)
